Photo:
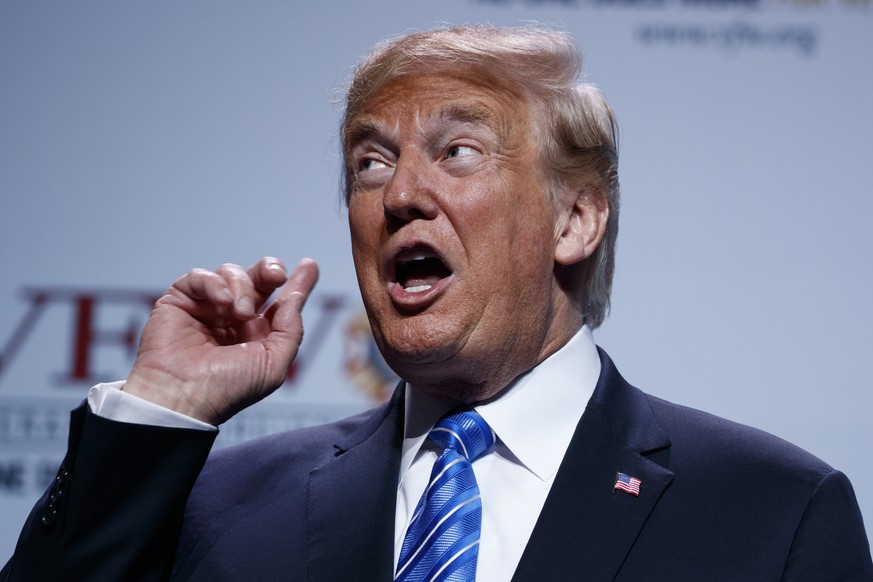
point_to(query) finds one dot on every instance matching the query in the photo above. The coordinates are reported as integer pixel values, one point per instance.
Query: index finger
(301, 280)
(268, 274)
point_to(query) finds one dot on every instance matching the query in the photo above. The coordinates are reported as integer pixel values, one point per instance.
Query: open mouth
(419, 270)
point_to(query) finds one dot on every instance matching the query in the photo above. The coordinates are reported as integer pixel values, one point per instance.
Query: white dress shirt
(107, 400)
(534, 419)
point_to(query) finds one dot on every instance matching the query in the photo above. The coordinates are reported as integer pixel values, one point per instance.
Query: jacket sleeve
(115, 508)
(830, 542)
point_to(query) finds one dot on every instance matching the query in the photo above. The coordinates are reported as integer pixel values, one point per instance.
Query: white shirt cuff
(109, 401)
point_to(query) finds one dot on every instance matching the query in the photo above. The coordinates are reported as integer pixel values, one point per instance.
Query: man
(482, 190)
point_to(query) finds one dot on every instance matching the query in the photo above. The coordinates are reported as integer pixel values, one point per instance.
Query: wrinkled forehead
(466, 95)
(423, 102)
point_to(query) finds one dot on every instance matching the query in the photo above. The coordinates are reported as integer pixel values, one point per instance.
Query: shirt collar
(534, 418)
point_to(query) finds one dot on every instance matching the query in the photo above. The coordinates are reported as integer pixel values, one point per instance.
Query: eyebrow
(360, 129)
(365, 127)
(467, 113)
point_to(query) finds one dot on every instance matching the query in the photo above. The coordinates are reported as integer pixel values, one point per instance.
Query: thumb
(286, 316)
(283, 340)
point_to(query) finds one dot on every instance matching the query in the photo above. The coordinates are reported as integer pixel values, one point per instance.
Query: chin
(413, 350)
(421, 351)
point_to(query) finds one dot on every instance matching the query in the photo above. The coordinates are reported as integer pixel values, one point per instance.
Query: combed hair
(579, 148)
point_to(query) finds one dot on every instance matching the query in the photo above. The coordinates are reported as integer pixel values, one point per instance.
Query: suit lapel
(586, 530)
(350, 519)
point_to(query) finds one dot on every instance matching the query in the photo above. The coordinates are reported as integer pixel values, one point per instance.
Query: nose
(409, 194)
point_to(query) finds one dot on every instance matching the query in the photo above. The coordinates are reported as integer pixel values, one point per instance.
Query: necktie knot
(465, 432)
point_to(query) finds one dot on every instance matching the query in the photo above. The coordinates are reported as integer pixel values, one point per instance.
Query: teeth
(417, 288)
(418, 256)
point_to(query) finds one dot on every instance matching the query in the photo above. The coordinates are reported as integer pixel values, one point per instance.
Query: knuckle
(229, 268)
(194, 276)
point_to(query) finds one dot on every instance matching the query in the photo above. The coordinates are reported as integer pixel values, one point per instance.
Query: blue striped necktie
(442, 541)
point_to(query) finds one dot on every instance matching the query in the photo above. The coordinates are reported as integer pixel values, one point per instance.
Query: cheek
(508, 230)
(532, 247)
(364, 227)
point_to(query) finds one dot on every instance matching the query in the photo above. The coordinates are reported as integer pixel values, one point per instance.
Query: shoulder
(281, 459)
(736, 474)
(756, 491)
(693, 443)
(717, 444)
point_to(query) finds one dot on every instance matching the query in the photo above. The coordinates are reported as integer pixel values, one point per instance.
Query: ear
(582, 226)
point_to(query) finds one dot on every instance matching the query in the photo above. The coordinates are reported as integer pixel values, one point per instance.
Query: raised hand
(212, 346)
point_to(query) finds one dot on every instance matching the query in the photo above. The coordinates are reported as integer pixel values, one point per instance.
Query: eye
(371, 164)
(459, 151)
(372, 169)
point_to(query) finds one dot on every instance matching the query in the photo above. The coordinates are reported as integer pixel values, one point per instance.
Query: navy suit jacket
(717, 501)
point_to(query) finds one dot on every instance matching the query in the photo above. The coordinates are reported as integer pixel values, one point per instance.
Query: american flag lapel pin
(626, 483)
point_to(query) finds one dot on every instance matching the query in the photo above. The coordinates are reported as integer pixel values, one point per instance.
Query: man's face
(453, 233)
